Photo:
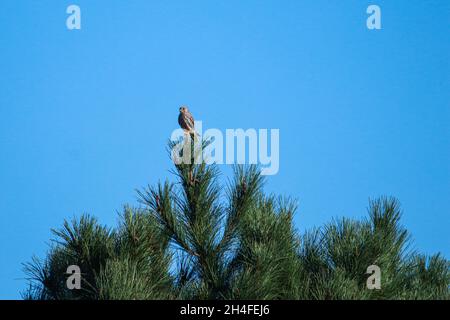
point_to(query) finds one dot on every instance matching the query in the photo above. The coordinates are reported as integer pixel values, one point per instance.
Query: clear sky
(85, 114)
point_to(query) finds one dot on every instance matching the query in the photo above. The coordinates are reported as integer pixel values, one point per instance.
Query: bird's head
(183, 109)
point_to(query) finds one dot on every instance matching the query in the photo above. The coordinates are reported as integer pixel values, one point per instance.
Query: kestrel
(186, 120)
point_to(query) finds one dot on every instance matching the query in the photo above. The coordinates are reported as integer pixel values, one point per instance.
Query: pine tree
(197, 240)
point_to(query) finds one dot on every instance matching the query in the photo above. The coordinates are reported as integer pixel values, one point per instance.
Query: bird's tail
(194, 134)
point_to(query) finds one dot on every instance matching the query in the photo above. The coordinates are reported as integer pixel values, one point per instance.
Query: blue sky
(85, 114)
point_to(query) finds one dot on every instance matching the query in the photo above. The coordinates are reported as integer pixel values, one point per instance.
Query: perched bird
(186, 120)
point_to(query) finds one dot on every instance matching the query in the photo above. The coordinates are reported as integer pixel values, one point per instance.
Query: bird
(186, 121)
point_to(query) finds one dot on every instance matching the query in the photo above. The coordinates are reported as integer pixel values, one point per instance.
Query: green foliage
(199, 240)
